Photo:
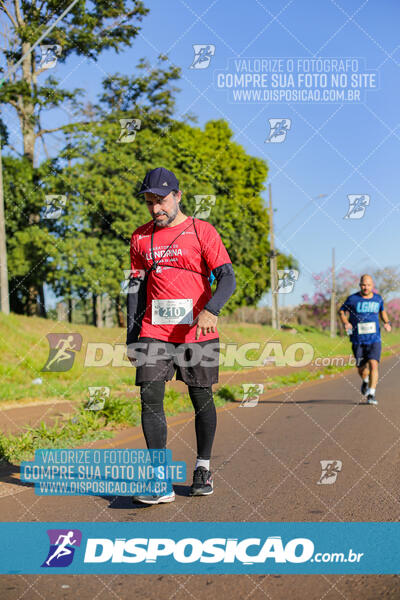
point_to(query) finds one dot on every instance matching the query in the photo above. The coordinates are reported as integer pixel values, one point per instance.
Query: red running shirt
(169, 283)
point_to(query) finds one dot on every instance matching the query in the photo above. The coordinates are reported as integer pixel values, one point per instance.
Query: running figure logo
(278, 129)
(97, 398)
(62, 351)
(50, 53)
(203, 206)
(54, 206)
(330, 470)
(202, 55)
(251, 394)
(357, 206)
(286, 281)
(62, 547)
(129, 127)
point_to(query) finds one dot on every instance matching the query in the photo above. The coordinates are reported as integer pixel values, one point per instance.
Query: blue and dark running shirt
(364, 318)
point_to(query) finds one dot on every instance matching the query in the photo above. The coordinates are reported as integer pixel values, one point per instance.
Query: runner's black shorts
(195, 363)
(365, 352)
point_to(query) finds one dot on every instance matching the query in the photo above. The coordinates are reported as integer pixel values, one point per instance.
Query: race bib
(366, 328)
(172, 311)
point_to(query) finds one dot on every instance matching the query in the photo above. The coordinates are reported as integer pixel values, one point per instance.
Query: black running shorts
(365, 352)
(195, 363)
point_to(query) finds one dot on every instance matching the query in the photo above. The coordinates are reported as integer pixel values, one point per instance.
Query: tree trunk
(99, 315)
(70, 309)
(42, 306)
(86, 312)
(27, 108)
(94, 312)
(61, 311)
(119, 312)
(4, 291)
(108, 320)
(31, 304)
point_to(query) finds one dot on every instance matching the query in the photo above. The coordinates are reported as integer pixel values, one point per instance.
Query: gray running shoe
(155, 499)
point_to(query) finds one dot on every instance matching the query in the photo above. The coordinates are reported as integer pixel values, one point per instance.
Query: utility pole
(333, 297)
(272, 263)
(5, 303)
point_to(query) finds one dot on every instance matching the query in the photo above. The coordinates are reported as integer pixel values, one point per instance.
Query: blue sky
(334, 149)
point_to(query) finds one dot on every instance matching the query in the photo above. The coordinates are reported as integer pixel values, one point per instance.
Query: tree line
(83, 253)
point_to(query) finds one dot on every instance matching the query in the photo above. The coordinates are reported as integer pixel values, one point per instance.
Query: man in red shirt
(172, 317)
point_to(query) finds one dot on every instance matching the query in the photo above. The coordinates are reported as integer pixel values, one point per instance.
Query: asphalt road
(266, 465)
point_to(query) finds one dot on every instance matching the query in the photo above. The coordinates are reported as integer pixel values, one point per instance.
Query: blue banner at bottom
(191, 548)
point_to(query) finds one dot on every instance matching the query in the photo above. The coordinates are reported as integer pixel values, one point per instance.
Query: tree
(387, 280)
(393, 310)
(107, 175)
(317, 308)
(94, 233)
(87, 30)
(209, 162)
(30, 247)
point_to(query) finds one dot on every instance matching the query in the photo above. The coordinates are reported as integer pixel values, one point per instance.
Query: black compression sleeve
(136, 307)
(205, 421)
(226, 285)
(154, 424)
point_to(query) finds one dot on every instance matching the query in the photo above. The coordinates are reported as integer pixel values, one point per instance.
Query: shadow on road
(124, 502)
(9, 474)
(315, 401)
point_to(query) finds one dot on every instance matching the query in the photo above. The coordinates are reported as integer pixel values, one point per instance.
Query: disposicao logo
(190, 550)
(62, 547)
(166, 553)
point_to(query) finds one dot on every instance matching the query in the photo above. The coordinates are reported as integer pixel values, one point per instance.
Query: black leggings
(154, 423)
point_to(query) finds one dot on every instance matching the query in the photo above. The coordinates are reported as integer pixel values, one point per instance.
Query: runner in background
(172, 317)
(362, 325)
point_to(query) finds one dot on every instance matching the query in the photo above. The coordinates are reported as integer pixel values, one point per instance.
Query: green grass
(24, 351)
(79, 429)
(85, 425)
(279, 381)
(323, 345)
(299, 376)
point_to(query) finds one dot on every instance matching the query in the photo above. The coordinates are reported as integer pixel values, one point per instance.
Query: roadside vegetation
(85, 426)
(24, 350)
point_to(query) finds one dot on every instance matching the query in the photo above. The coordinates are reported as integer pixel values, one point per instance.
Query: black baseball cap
(159, 181)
